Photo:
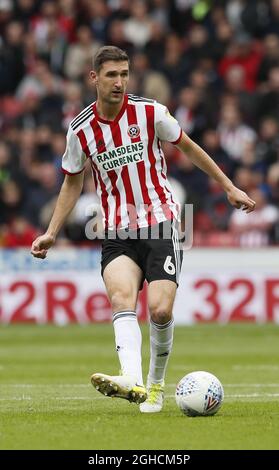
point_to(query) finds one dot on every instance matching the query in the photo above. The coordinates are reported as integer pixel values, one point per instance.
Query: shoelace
(154, 393)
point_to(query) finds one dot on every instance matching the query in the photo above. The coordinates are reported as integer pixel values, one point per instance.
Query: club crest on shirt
(133, 131)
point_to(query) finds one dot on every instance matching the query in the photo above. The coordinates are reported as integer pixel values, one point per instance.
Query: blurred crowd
(215, 64)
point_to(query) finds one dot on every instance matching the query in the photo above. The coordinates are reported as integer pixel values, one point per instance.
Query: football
(199, 394)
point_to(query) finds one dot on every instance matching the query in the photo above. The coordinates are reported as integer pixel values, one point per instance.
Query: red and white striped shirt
(127, 161)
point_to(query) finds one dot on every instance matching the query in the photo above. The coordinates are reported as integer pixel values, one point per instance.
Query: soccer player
(121, 137)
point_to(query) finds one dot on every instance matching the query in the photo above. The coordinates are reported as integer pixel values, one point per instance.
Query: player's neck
(108, 111)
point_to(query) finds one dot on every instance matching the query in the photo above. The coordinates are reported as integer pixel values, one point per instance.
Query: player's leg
(162, 273)
(161, 295)
(123, 277)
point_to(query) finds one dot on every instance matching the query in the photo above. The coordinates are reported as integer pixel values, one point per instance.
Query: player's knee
(160, 313)
(120, 300)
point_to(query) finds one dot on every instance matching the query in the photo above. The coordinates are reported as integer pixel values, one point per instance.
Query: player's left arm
(203, 161)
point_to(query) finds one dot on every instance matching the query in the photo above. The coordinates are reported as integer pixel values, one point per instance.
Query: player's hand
(41, 245)
(240, 199)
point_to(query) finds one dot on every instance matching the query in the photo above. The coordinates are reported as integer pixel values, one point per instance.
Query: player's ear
(94, 77)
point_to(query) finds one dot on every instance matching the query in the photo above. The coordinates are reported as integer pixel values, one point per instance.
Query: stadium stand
(214, 64)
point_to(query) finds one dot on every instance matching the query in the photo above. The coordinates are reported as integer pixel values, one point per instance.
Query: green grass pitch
(47, 401)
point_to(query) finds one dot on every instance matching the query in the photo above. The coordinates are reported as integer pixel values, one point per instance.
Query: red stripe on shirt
(104, 194)
(94, 176)
(98, 135)
(83, 142)
(112, 175)
(132, 119)
(150, 122)
(115, 192)
(165, 177)
(132, 213)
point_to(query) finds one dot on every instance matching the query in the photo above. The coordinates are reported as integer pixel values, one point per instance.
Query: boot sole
(109, 388)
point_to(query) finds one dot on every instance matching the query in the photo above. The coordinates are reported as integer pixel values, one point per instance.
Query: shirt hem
(70, 173)
(177, 140)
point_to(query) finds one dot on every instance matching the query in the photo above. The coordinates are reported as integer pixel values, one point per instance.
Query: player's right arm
(68, 196)
(73, 165)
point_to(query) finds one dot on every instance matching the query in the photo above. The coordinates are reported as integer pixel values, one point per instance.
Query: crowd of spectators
(215, 64)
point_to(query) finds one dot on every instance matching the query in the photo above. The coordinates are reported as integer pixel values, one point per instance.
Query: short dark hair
(108, 53)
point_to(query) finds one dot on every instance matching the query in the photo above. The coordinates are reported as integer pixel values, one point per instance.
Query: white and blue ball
(199, 394)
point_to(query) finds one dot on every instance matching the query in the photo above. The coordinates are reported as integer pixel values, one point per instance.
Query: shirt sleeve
(166, 126)
(74, 158)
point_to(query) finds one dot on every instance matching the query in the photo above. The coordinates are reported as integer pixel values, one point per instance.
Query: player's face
(111, 81)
